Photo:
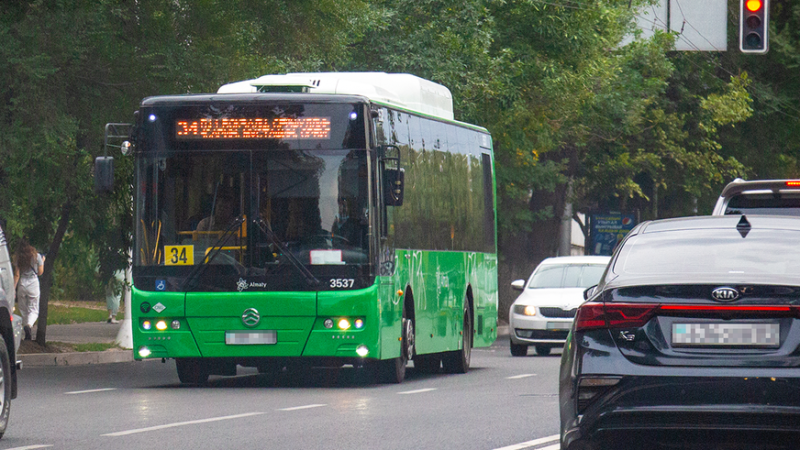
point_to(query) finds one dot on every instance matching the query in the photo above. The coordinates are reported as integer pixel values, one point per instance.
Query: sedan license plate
(251, 337)
(726, 334)
(559, 325)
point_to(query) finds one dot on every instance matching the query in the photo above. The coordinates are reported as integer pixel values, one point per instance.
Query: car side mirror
(589, 292)
(518, 285)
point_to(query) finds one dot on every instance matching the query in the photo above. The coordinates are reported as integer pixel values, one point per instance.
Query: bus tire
(5, 387)
(192, 370)
(394, 370)
(458, 361)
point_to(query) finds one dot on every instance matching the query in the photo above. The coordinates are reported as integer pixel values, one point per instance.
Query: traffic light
(753, 24)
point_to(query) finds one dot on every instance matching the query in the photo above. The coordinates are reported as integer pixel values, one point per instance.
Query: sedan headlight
(525, 310)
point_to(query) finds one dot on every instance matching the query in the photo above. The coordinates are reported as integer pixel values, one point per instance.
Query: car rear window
(712, 251)
(567, 276)
(764, 204)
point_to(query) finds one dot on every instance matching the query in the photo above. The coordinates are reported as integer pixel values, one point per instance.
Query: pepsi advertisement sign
(608, 229)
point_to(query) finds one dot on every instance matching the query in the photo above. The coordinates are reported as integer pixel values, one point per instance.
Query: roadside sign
(608, 229)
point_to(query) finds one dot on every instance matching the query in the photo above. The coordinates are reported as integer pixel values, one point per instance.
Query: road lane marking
(551, 447)
(90, 390)
(296, 408)
(180, 424)
(30, 447)
(418, 391)
(524, 375)
(521, 445)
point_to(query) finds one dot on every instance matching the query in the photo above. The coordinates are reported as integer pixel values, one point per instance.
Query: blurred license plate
(726, 334)
(251, 337)
(559, 325)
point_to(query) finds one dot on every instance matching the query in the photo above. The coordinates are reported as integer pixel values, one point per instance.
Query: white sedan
(542, 315)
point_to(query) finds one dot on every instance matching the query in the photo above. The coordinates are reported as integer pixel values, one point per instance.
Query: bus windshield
(251, 217)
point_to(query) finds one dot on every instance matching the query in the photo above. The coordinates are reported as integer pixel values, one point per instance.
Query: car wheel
(543, 350)
(192, 370)
(5, 388)
(458, 361)
(519, 349)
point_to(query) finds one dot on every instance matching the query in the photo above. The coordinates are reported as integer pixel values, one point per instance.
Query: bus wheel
(192, 370)
(458, 361)
(394, 370)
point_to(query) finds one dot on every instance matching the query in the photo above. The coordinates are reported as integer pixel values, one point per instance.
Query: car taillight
(613, 315)
(593, 316)
(590, 316)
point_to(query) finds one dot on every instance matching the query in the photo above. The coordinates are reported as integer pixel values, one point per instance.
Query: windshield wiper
(215, 249)
(267, 229)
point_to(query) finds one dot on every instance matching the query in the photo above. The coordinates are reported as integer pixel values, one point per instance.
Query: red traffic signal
(753, 5)
(753, 26)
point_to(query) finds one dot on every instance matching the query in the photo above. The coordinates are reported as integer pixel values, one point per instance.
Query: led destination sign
(254, 128)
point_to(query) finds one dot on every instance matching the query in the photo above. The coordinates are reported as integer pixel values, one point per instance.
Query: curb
(74, 358)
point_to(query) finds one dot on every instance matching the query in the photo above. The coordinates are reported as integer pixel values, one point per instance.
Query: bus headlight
(161, 325)
(176, 324)
(147, 325)
(344, 324)
(362, 351)
(144, 352)
(359, 324)
(328, 323)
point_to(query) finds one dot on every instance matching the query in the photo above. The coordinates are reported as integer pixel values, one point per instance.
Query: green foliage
(634, 126)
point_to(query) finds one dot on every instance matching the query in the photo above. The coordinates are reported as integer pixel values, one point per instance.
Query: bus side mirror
(393, 186)
(103, 174)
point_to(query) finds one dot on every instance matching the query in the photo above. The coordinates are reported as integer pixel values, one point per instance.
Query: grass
(61, 315)
(93, 347)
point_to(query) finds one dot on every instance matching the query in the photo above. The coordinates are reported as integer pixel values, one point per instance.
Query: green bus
(312, 219)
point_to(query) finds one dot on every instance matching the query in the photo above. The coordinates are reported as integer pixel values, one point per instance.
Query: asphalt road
(503, 401)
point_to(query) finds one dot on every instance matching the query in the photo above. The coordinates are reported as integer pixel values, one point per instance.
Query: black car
(691, 340)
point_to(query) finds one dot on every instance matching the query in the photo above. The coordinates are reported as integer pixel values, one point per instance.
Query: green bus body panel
(439, 282)
(292, 333)
(268, 304)
(351, 304)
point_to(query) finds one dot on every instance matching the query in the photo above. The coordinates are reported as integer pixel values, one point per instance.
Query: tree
(68, 67)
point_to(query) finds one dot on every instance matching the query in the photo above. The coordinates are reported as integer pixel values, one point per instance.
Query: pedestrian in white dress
(28, 266)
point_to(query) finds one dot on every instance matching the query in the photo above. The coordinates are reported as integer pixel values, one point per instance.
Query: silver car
(768, 197)
(542, 315)
(10, 331)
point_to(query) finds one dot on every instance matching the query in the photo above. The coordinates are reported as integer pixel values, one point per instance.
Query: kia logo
(724, 294)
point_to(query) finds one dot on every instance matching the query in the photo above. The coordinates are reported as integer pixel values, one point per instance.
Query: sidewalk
(79, 333)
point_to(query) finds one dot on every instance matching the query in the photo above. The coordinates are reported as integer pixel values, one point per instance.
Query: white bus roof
(398, 89)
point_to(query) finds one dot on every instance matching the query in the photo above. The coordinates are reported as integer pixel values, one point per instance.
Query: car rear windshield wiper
(215, 249)
(267, 229)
